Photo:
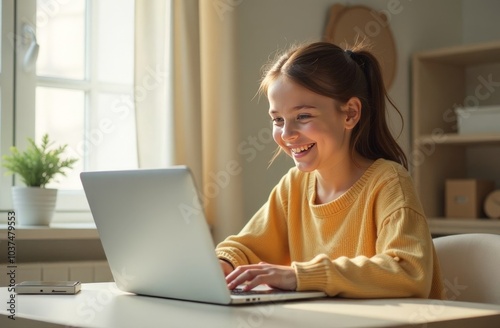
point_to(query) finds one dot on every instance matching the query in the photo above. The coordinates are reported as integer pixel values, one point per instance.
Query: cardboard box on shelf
(465, 197)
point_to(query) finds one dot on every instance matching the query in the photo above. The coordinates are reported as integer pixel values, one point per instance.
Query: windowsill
(64, 226)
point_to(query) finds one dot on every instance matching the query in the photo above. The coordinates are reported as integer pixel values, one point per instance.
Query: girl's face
(310, 128)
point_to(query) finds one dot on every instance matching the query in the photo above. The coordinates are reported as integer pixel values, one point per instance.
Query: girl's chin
(304, 167)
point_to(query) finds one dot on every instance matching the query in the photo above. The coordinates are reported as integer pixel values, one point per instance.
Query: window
(79, 89)
(85, 83)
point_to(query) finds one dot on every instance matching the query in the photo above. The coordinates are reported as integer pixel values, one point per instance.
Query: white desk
(102, 305)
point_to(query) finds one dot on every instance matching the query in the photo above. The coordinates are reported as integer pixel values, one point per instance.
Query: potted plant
(37, 166)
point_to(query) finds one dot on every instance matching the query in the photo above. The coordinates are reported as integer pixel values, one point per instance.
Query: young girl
(346, 219)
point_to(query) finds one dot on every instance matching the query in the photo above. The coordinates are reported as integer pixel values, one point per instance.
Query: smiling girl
(346, 219)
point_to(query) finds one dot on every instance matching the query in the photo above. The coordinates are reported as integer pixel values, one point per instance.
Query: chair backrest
(470, 265)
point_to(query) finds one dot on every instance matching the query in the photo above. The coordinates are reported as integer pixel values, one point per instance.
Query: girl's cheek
(277, 135)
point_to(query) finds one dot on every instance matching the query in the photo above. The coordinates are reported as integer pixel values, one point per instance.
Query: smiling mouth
(302, 149)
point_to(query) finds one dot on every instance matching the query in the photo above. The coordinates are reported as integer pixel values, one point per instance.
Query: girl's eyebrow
(298, 107)
(303, 107)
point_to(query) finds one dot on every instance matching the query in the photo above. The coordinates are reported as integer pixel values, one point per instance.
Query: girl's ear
(352, 109)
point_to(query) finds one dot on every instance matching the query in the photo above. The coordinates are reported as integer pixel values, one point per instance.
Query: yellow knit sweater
(372, 242)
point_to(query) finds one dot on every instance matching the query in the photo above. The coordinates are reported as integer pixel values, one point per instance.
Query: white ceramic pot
(34, 206)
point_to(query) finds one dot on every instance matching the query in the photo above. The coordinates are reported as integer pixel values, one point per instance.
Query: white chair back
(470, 265)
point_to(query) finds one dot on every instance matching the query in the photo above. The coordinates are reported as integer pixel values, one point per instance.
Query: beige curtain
(185, 68)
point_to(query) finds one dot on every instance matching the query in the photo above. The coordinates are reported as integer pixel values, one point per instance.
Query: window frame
(7, 90)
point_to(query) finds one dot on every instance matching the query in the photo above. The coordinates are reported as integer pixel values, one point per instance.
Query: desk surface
(103, 305)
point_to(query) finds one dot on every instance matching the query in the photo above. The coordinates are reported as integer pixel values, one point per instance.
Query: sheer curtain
(186, 100)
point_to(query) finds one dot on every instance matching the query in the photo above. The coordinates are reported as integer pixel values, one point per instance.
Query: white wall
(265, 26)
(480, 20)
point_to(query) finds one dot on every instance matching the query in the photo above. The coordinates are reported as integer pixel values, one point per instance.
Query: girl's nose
(289, 131)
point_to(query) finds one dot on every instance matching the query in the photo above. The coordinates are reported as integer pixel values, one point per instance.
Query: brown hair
(328, 70)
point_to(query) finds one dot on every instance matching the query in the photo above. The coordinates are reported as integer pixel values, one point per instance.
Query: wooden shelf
(443, 79)
(464, 55)
(459, 139)
(446, 226)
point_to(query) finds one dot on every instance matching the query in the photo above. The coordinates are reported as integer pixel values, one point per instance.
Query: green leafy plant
(37, 165)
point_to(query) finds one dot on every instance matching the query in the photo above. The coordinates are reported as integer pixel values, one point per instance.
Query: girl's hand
(277, 276)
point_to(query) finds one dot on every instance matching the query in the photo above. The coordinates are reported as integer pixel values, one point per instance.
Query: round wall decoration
(350, 25)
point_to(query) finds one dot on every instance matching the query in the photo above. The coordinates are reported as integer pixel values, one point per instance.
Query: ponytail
(372, 138)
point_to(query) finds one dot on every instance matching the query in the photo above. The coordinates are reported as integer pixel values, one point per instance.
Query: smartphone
(48, 287)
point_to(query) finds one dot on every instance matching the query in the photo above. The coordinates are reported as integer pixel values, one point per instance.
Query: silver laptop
(157, 240)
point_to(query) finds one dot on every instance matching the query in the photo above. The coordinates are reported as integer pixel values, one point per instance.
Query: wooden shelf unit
(459, 140)
(439, 84)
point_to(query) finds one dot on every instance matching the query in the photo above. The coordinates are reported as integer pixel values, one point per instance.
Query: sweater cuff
(227, 261)
(228, 257)
(312, 275)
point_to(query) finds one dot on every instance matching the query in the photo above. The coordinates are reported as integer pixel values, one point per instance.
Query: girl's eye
(277, 121)
(303, 116)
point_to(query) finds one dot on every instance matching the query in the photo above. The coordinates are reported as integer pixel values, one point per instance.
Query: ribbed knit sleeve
(264, 237)
(401, 266)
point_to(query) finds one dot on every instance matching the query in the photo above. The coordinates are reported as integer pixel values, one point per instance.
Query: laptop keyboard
(240, 291)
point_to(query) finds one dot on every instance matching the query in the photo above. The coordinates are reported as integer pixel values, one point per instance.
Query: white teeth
(301, 149)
